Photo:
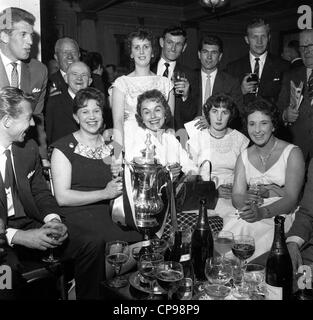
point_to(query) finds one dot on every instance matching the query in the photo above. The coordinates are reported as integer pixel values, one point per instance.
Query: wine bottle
(201, 242)
(279, 270)
(181, 252)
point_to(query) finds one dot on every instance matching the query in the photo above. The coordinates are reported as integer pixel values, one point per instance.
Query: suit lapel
(3, 197)
(218, 83)
(4, 81)
(25, 78)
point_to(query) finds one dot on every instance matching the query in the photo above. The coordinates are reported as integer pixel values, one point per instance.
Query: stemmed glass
(117, 253)
(223, 242)
(159, 246)
(169, 274)
(55, 236)
(243, 247)
(147, 266)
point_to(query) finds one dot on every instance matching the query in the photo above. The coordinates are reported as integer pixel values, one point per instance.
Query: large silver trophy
(149, 178)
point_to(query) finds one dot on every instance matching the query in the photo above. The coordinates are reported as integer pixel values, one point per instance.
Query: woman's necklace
(217, 137)
(264, 159)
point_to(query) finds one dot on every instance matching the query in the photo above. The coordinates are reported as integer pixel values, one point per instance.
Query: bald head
(78, 76)
(66, 51)
(306, 47)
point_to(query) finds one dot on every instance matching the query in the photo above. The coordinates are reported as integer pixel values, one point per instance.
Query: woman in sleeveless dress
(83, 184)
(218, 143)
(125, 89)
(273, 168)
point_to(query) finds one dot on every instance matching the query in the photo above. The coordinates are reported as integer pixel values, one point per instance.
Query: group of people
(220, 116)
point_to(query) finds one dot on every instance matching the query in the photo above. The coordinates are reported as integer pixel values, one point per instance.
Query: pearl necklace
(264, 159)
(216, 137)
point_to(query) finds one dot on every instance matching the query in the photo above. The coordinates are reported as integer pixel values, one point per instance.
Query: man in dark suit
(300, 235)
(29, 211)
(66, 51)
(59, 110)
(268, 67)
(211, 79)
(292, 54)
(18, 70)
(173, 43)
(299, 122)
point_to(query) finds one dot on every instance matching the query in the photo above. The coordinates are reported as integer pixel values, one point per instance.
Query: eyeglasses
(309, 47)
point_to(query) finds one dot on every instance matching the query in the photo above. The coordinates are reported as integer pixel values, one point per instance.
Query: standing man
(18, 70)
(66, 51)
(211, 79)
(173, 43)
(268, 67)
(299, 122)
(59, 110)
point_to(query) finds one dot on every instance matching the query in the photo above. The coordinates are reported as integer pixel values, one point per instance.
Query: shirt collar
(171, 63)
(63, 73)
(262, 58)
(71, 93)
(6, 61)
(212, 74)
(308, 73)
(2, 149)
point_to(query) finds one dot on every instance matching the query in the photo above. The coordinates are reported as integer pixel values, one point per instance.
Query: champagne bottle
(181, 252)
(279, 270)
(201, 242)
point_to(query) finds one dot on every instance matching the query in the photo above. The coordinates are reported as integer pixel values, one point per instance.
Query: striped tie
(14, 75)
(257, 67)
(165, 73)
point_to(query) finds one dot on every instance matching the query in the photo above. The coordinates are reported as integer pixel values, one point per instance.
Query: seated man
(29, 211)
(300, 236)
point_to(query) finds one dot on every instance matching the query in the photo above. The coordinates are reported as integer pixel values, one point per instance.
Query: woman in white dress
(125, 89)
(277, 167)
(218, 143)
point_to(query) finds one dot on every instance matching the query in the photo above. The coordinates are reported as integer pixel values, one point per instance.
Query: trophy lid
(148, 154)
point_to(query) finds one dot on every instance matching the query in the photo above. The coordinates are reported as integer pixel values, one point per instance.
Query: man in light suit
(210, 52)
(17, 69)
(29, 211)
(66, 51)
(299, 123)
(268, 67)
(173, 43)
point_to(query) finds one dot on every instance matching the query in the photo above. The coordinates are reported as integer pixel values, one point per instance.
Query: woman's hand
(114, 188)
(251, 212)
(201, 124)
(225, 191)
(116, 166)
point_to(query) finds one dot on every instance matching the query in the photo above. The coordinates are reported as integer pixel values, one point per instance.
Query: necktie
(14, 75)
(257, 67)
(310, 87)
(207, 92)
(165, 73)
(10, 182)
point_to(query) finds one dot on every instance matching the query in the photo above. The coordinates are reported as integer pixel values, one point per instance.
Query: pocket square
(30, 174)
(276, 79)
(35, 90)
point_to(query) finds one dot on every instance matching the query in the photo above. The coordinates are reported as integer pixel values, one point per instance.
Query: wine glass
(243, 247)
(117, 253)
(254, 279)
(254, 190)
(169, 274)
(147, 266)
(55, 236)
(223, 242)
(158, 245)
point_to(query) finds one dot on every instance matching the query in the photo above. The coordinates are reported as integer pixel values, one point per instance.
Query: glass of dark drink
(179, 79)
(243, 247)
(253, 77)
(169, 274)
(116, 254)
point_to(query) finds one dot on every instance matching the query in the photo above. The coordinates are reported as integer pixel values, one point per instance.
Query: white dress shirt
(8, 68)
(204, 78)
(161, 68)
(261, 62)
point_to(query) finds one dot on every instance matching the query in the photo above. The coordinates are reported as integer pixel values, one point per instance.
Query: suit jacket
(301, 131)
(224, 83)
(57, 83)
(303, 223)
(59, 117)
(184, 110)
(270, 82)
(34, 76)
(31, 185)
